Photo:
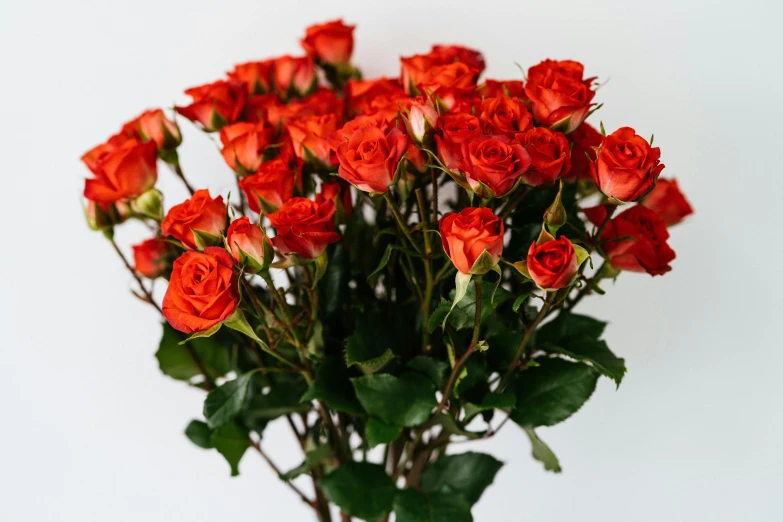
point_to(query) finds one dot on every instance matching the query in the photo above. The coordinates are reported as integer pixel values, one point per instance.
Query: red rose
(153, 125)
(215, 104)
(258, 107)
(668, 202)
(414, 68)
(549, 156)
(369, 159)
(645, 250)
(495, 88)
(202, 290)
(320, 102)
(504, 115)
(468, 234)
(493, 164)
(421, 118)
(626, 167)
(244, 145)
(371, 96)
(339, 192)
(584, 140)
(123, 170)
(416, 158)
(151, 257)
(330, 43)
(344, 133)
(560, 97)
(294, 75)
(248, 243)
(456, 129)
(304, 227)
(446, 80)
(552, 264)
(273, 185)
(201, 213)
(255, 75)
(308, 136)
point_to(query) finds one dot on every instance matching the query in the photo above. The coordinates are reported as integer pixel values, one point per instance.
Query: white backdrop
(92, 432)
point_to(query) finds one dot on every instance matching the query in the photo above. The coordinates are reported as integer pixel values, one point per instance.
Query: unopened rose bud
(156, 127)
(149, 204)
(249, 245)
(152, 257)
(421, 119)
(555, 216)
(102, 216)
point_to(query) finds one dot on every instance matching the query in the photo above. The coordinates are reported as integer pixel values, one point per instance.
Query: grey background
(92, 432)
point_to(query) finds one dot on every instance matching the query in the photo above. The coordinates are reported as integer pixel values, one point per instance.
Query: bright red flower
(626, 166)
(552, 264)
(493, 164)
(505, 115)
(369, 159)
(122, 169)
(584, 140)
(466, 235)
(331, 43)
(215, 104)
(257, 76)
(201, 213)
(668, 202)
(549, 155)
(248, 240)
(560, 96)
(309, 137)
(304, 227)
(151, 257)
(244, 145)
(294, 75)
(273, 185)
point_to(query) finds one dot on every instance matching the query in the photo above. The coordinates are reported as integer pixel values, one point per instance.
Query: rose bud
(444, 80)
(504, 115)
(330, 43)
(196, 221)
(369, 159)
(308, 136)
(244, 145)
(584, 140)
(634, 240)
(304, 227)
(149, 204)
(560, 97)
(258, 108)
(668, 202)
(294, 76)
(103, 216)
(626, 167)
(270, 187)
(249, 245)
(421, 119)
(495, 88)
(416, 159)
(151, 258)
(549, 156)
(414, 68)
(202, 290)
(552, 263)
(339, 192)
(456, 129)
(373, 96)
(492, 165)
(155, 126)
(215, 105)
(472, 239)
(344, 133)
(256, 75)
(121, 173)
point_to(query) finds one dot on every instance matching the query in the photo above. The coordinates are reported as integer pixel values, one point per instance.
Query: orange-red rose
(155, 126)
(414, 68)
(448, 80)
(493, 164)
(549, 156)
(244, 145)
(466, 235)
(552, 264)
(584, 140)
(560, 96)
(369, 159)
(304, 227)
(626, 166)
(215, 105)
(202, 291)
(248, 241)
(505, 115)
(495, 88)
(309, 138)
(272, 185)
(201, 213)
(294, 75)
(151, 257)
(257, 76)
(330, 43)
(456, 129)
(339, 192)
(668, 202)
(122, 169)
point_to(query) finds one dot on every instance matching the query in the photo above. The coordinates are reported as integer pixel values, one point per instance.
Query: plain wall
(91, 431)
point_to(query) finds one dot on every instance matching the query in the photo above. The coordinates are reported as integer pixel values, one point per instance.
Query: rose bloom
(295, 75)
(549, 156)
(626, 167)
(504, 115)
(257, 108)
(668, 202)
(330, 43)
(644, 250)
(421, 118)
(273, 185)
(202, 290)
(468, 234)
(495, 88)
(153, 125)
(322, 101)
(415, 67)
(456, 129)
(560, 97)
(369, 159)
(122, 169)
(201, 213)
(338, 191)
(344, 133)
(494, 161)
(256, 75)
(552, 264)
(382, 96)
(244, 237)
(448, 79)
(244, 145)
(215, 104)
(151, 257)
(308, 136)
(584, 140)
(304, 227)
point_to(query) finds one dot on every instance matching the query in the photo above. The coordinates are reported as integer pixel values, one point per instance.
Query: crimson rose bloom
(215, 104)
(245, 238)
(244, 145)
(468, 234)
(552, 264)
(294, 75)
(122, 169)
(202, 290)
(201, 213)
(155, 126)
(331, 43)
(495, 161)
(626, 167)
(369, 159)
(373, 96)
(414, 68)
(561, 98)
(448, 79)
(151, 257)
(504, 115)
(645, 250)
(308, 136)
(584, 140)
(549, 155)
(668, 202)
(456, 129)
(339, 192)
(255, 75)
(273, 184)
(304, 227)
(495, 88)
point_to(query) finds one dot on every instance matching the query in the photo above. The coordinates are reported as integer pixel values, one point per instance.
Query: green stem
(400, 222)
(477, 319)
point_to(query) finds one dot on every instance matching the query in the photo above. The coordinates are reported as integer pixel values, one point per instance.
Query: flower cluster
(344, 186)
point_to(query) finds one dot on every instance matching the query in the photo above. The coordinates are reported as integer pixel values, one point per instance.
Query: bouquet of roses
(398, 269)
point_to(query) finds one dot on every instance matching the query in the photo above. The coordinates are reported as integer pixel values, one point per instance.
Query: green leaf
(405, 401)
(411, 505)
(360, 489)
(313, 457)
(568, 325)
(542, 453)
(595, 352)
(519, 300)
(468, 474)
(453, 427)
(199, 434)
(552, 392)
(333, 386)
(203, 333)
(224, 403)
(231, 441)
(378, 432)
(334, 285)
(238, 322)
(463, 314)
(433, 368)
(372, 344)
(175, 360)
(456, 316)
(372, 279)
(490, 401)
(281, 398)
(461, 282)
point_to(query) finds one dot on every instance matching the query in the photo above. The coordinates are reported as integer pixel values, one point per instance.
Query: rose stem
(425, 305)
(181, 175)
(274, 467)
(398, 217)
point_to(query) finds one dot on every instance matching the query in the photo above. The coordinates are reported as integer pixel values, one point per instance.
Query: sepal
(461, 282)
(149, 204)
